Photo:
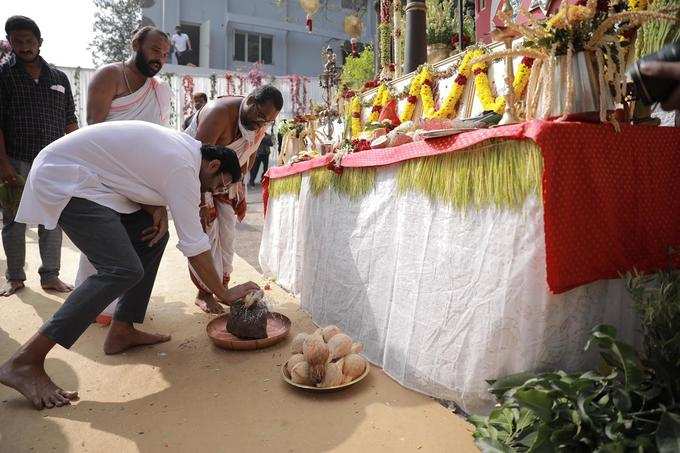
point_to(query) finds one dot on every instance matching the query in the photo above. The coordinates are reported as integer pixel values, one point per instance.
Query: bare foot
(119, 340)
(32, 382)
(208, 303)
(58, 286)
(11, 287)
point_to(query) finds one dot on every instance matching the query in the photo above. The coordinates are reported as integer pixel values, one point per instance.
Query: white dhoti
(221, 231)
(151, 102)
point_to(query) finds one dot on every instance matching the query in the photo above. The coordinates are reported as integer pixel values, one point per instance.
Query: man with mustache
(241, 124)
(36, 108)
(129, 90)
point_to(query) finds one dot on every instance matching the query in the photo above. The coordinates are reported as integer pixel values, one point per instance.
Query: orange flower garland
(448, 106)
(355, 111)
(379, 100)
(483, 86)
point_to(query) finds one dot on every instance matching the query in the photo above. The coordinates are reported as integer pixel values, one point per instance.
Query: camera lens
(653, 89)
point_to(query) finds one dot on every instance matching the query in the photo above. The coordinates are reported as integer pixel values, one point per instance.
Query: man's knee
(128, 275)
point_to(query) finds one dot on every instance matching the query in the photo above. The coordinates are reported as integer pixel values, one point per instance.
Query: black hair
(16, 23)
(141, 33)
(268, 93)
(227, 157)
(201, 95)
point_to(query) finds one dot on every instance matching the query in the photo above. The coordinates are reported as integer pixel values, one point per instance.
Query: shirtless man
(239, 123)
(128, 90)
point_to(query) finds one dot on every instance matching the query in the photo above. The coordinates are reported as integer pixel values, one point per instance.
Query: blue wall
(294, 50)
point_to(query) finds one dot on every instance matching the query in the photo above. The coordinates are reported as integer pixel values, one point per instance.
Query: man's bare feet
(208, 303)
(57, 285)
(11, 287)
(31, 381)
(123, 336)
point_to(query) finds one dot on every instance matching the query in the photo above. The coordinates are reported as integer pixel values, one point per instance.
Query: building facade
(486, 11)
(233, 34)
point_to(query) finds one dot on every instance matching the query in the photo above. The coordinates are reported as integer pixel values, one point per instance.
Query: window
(354, 4)
(482, 5)
(253, 47)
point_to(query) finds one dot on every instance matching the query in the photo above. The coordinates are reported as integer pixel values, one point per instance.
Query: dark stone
(248, 323)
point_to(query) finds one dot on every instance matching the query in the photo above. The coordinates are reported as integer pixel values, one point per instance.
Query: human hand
(206, 217)
(9, 175)
(238, 292)
(157, 231)
(665, 70)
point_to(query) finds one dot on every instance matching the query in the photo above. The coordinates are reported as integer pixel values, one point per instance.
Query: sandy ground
(187, 395)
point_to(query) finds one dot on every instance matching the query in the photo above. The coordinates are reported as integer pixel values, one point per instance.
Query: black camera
(653, 89)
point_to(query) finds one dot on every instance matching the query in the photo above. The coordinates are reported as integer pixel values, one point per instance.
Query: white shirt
(180, 42)
(120, 165)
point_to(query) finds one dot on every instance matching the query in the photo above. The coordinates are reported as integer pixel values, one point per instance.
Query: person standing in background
(182, 45)
(36, 108)
(199, 100)
(261, 157)
(129, 90)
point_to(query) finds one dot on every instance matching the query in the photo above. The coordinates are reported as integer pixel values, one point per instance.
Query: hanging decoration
(354, 27)
(296, 82)
(413, 93)
(310, 7)
(385, 37)
(379, 100)
(484, 90)
(169, 76)
(355, 111)
(188, 86)
(213, 86)
(398, 21)
(450, 103)
(231, 88)
(76, 89)
(256, 75)
(306, 103)
(241, 84)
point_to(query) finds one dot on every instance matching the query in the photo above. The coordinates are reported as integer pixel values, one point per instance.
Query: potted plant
(439, 29)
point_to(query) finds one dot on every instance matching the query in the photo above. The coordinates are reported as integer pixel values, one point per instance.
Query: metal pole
(461, 4)
(416, 36)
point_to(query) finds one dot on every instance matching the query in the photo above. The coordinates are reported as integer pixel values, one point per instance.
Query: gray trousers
(126, 268)
(14, 242)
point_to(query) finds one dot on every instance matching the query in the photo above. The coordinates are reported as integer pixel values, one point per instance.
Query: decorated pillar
(416, 35)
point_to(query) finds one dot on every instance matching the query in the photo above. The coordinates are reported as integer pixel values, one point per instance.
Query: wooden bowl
(286, 377)
(278, 326)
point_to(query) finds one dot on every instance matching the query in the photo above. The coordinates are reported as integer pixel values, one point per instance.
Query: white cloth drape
(441, 299)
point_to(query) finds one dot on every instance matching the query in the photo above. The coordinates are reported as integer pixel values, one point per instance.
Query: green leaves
(615, 411)
(668, 433)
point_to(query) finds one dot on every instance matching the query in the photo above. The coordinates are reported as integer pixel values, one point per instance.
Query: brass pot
(437, 52)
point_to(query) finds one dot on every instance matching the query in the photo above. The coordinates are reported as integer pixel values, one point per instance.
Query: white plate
(443, 132)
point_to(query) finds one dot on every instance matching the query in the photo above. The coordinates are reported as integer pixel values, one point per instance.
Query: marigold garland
(448, 106)
(483, 86)
(381, 98)
(413, 92)
(355, 111)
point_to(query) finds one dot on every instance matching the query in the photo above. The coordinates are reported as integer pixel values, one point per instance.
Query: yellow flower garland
(379, 100)
(355, 112)
(483, 86)
(448, 106)
(413, 92)
(637, 5)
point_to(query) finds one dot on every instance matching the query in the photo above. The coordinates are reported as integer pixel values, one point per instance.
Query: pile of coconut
(326, 358)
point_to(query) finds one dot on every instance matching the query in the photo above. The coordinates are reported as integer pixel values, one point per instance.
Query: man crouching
(108, 187)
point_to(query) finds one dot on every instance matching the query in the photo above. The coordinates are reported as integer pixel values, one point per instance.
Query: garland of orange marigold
(379, 100)
(483, 86)
(448, 106)
(355, 111)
